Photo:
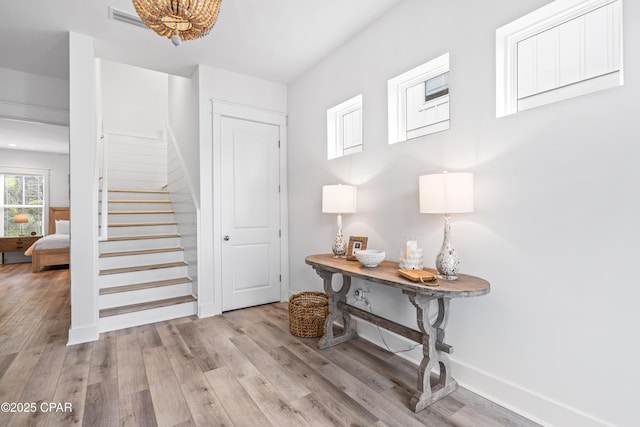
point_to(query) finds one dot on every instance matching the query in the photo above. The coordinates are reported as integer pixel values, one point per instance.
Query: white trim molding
(80, 335)
(34, 113)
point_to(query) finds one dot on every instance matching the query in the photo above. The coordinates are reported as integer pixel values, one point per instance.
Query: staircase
(143, 276)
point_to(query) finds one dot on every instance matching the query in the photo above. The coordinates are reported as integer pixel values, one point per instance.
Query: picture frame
(356, 243)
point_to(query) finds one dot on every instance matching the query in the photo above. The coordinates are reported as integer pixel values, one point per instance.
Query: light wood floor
(243, 368)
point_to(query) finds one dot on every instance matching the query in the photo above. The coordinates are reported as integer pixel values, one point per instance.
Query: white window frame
(397, 99)
(335, 128)
(28, 172)
(554, 14)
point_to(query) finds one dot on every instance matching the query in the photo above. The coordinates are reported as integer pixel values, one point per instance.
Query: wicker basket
(307, 313)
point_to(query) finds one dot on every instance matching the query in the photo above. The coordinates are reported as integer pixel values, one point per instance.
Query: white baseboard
(528, 403)
(82, 335)
(207, 310)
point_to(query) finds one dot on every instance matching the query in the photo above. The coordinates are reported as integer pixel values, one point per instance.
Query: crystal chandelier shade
(179, 19)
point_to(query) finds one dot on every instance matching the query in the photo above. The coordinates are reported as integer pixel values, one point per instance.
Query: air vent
(126, 17)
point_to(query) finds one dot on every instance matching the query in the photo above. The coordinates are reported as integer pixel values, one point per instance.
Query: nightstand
(16, 244)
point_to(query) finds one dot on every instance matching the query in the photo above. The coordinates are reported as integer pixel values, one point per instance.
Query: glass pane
(10, 229)
(13, 190)
(437, 86)
(21, 191)
(34, 224)
(34, 190)
(352, 129)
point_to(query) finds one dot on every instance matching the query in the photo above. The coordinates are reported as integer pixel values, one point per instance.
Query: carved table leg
(335, 311)
(434, 351)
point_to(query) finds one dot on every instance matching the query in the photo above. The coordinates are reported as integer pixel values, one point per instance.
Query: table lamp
(446, 193)
(21, 219)
(339, 199)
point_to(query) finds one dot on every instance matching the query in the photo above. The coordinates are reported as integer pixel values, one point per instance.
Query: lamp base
(447, 261)
(339, 246)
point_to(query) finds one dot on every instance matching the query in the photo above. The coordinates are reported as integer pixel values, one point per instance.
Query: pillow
(62, 226)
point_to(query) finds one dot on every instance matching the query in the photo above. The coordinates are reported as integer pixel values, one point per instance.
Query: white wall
(554, 230)
(32, 97)
(183, 168)
(134, 100)
(213, 83)
(84, 190)
(186, 214)
(183, 122)
(134, 116)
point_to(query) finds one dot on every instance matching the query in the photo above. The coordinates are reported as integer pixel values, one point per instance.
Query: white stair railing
(103, 188)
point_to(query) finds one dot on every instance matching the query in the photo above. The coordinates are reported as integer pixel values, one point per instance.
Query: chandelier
(178, 19)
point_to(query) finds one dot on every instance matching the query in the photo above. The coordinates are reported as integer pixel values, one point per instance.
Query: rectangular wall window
(344, 128)
(563, 50)
(419, 100)
(20, 195)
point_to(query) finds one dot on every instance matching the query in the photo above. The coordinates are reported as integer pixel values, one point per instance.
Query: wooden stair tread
(116, 190)
(142, 268)
(141, 212)
(138, 201)
(142, 224)
(142, 237)
(145, 306)
(141, 252)
(147, 285)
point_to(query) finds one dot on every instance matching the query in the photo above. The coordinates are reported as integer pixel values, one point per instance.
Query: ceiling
(29, 136)
(276, 40)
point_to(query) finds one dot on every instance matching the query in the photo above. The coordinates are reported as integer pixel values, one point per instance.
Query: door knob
(226, 238)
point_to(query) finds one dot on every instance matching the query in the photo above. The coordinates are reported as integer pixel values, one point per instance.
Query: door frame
(220, 109)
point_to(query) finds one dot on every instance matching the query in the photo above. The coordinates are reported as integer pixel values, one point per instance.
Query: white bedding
(52, 241)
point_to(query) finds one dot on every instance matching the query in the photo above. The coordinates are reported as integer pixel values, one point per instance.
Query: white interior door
(250, 213)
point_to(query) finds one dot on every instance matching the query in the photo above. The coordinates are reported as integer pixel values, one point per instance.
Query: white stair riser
(138, 245)
(142, 230)
(106, 263)
(137, 196)
(123, 218)
(139, 207)
(144, 317)
(145, 295)
(135, 277)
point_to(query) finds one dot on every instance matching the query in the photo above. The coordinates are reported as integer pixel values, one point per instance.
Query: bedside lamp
(446, 193)
(21, 219)
(339, 199)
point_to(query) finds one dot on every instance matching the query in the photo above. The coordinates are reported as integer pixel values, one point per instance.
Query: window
(563, 50)
(344, 128)
(22, 194)
(419, 101)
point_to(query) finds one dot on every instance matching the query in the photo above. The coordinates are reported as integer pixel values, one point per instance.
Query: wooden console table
(431, 336)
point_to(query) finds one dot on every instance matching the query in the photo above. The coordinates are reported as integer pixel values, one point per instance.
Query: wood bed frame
(41, 258)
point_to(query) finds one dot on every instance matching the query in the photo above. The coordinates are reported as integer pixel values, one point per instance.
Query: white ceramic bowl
(370, 257)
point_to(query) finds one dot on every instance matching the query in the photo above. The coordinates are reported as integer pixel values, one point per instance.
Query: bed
(52, 249)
